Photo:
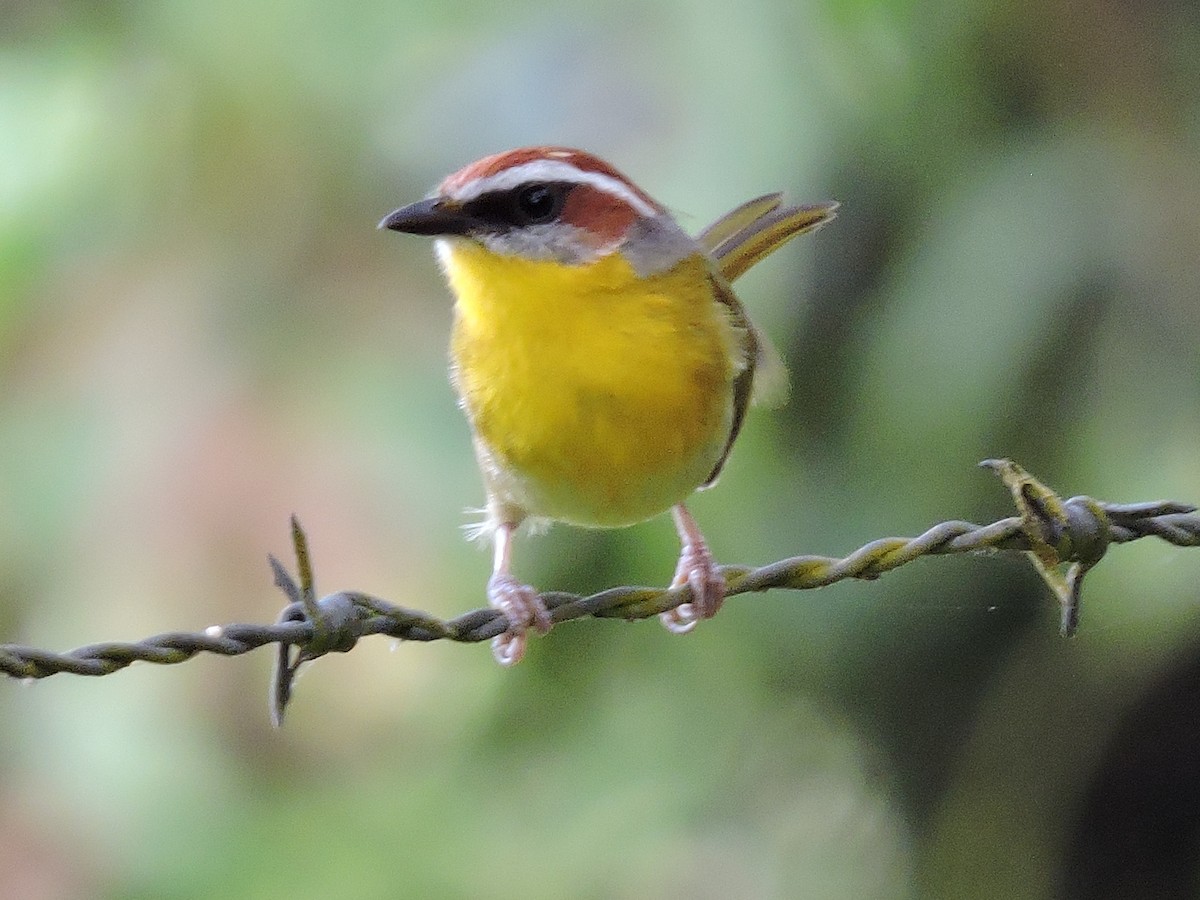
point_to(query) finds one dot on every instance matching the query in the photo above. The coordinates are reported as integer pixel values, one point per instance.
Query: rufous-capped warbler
(601, 357)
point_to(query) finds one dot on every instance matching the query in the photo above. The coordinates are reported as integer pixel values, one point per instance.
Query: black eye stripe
(535, 203)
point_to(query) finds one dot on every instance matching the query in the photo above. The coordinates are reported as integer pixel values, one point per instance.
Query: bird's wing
(736, 241)
(749, 348)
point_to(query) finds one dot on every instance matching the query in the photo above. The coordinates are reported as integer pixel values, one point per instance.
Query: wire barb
(1075, 532)
(1063, 538)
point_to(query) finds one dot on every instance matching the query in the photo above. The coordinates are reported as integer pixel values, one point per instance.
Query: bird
(602, 360)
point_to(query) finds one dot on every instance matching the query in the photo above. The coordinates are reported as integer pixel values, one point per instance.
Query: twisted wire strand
(1074, 532)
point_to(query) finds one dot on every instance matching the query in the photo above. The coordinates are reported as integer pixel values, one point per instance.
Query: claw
(679, 620)
(523, 608)
(508, 649)
(698, 570)
(520, 603)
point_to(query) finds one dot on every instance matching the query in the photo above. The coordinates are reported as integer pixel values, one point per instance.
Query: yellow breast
(598, 397)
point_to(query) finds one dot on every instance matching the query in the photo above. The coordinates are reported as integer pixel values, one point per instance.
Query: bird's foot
(523, 607)
(698, 570)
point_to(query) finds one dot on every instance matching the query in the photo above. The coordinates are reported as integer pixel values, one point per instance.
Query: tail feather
(738, 240)
(730, 225)
(754, 230)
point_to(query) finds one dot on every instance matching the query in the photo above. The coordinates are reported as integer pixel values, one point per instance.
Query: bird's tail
(757, 228)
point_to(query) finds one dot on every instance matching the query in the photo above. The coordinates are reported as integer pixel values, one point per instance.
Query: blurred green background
(201, 332)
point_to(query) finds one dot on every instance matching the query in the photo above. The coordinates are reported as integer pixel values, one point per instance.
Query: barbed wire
(1063, 538)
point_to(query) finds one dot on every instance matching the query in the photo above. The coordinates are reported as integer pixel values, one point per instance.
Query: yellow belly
(597, 397)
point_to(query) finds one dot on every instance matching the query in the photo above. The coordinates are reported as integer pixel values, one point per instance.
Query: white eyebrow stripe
(552, 170)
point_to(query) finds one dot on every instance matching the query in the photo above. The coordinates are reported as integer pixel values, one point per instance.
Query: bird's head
(549, 203)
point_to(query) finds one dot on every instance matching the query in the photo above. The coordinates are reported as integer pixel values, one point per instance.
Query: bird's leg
(697, 570)
(519, 602)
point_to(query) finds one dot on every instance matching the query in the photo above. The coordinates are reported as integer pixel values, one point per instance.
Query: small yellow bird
(601, 357)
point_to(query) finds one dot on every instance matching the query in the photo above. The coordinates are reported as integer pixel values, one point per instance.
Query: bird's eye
(537, 204)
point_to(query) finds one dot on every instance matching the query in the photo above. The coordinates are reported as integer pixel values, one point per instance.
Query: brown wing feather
(736, 242)
(743, 382)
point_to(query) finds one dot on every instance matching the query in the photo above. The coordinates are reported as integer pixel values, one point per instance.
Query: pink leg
(519, 602)
(697, 570)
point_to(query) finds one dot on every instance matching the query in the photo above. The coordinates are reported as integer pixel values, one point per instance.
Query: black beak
(432, 217)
